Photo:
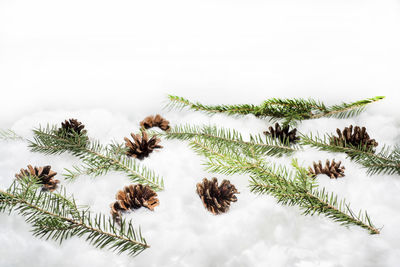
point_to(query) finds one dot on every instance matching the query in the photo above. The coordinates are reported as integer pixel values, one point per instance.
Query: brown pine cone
(284, 134)
(155, 121)
(141, 146)
(133, 197)
(71, 126)
(44, 174)
(332, 169)
(217, 199)
(357, 138)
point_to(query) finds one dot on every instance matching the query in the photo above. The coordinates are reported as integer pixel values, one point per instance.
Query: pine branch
(257, 145)
(290, 188)
(96, 159)
(310, 200)
(386, 161)
(56, 217)
(136, 172)
(9, 135)
(180, 103)
(348, 110)
(222, 159)
(290, 110)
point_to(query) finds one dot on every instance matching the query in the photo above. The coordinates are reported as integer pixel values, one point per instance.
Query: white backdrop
(111, 63)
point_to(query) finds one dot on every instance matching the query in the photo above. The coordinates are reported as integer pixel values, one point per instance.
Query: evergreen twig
(290, 188)
(57, 217)
(257, 144)
(97, 159)
(9, 135)
(290, 110)
(386, 161)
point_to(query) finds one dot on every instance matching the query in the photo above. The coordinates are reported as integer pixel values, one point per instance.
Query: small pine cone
(217, 199)
(44, 174)
(71, 126)
(133, 197)
(357, 137)
(141, 146)
(332, 169)
(155, 121)
(284, 134)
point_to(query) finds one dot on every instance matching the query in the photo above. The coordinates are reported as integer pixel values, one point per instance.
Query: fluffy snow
(111, 63)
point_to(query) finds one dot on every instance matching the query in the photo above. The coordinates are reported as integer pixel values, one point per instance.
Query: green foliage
(386, 161)
(224, 159)
(9, 135)
(288, 187)
(96, 158)
(56, 216)
(288, 110)
(347, 110)
(297, 190)
(257, 145)
(180, 103)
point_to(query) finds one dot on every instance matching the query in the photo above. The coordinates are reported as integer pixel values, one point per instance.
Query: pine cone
(44, 174)
(141, 146)
(332, 169)
(155, 121)
(133, 197)
(284, 134)
(358, 138)
(217, 199)
(71, 126)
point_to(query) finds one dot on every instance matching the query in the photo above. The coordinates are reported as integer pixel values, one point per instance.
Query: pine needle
(56, 216)
(288, 110)
(96, 158)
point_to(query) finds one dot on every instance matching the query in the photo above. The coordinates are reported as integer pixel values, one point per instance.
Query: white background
(111, 63)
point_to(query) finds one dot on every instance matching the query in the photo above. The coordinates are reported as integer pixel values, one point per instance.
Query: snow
(112, 63)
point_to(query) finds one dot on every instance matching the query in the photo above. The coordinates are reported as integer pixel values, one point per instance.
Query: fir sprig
(288, 110)
(180, 103)
(9, 135)
(57, 217)
(296, 191)
(257, 144)
(290, 188)
(96, 158)
(386, 161)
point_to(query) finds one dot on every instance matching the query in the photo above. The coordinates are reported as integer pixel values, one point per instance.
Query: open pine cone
(44, 174)
(70, 126)
(332, 169)
(357, 137)
(155, 121)
(133, 197)
(284, 134)
(217, 199)
(141, 146)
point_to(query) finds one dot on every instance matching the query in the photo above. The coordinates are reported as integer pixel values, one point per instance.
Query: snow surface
(111, 63)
